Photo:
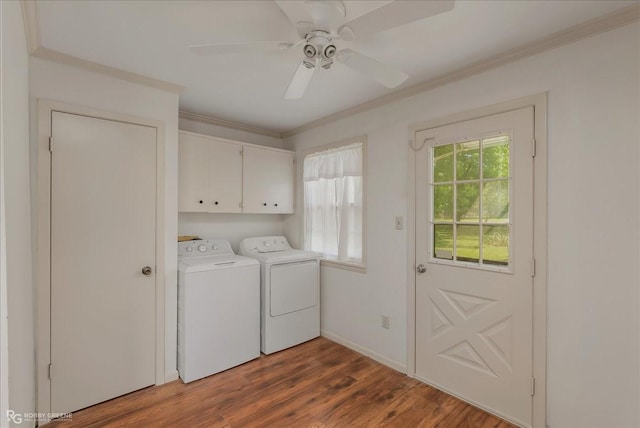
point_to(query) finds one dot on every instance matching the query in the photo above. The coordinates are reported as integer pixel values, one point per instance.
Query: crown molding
(62, 58)
(31, 24)
(229, 124)
(35, 48)
(595, 26)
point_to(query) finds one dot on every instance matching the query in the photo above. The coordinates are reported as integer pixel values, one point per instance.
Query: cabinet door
(193, 173)
(225, 177)
(210, 175)
(267, 181)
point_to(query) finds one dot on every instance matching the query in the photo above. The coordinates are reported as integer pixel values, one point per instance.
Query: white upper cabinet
(210, 174)
(267, 180)
(222, 176)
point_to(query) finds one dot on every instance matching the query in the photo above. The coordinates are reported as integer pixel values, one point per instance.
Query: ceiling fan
(321, 24)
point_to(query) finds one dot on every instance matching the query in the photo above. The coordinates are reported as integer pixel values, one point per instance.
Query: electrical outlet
(384, 321)
(399, 222)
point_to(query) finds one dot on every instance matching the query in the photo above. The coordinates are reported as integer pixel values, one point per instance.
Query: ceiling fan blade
(240, 48)
(381, 73)
(396, 13)
(327, 15)
(298, 14)
(299, 82)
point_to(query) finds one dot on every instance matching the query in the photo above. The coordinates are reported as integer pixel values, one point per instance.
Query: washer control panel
(204, 247)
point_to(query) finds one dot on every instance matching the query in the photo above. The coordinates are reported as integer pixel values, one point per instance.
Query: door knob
(146, 271)
(421, 268)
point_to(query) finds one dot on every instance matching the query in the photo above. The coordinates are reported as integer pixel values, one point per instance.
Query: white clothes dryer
(218, 308)
(290, 292)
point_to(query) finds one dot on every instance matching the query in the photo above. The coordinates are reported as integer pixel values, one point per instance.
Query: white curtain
(333, 203)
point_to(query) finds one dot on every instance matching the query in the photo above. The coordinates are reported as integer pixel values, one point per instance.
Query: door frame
(539, 104)
(43, 241)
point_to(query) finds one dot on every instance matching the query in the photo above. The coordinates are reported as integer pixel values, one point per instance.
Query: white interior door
(474, 236)
(103, 232)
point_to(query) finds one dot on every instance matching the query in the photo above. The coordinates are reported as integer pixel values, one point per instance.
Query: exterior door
(474, 236)
(103, 232)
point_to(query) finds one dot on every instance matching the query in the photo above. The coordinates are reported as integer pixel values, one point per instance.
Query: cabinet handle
(216, 202)
(200, 201)
(275, 205)
(265, 204)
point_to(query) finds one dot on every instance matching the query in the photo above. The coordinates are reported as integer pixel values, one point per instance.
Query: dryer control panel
(204, 247)
(264, 244)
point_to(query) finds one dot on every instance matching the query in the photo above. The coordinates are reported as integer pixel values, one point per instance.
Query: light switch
(399, 222)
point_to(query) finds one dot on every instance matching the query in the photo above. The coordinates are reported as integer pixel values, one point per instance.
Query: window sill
(353, 267)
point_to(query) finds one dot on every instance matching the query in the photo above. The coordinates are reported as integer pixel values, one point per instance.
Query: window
(333, 202)
(470, 198)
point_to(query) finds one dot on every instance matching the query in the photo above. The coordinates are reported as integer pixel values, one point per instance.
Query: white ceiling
(152, 38)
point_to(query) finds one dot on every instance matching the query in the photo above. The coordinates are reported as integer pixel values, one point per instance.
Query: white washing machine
(218, 308)
(290, 292)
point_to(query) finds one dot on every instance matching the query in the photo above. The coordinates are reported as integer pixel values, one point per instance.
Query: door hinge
(533, 268)
(50, 371)
(242, 151)
(240, 204)
(533, 386)
(50, 144)
(533, 148)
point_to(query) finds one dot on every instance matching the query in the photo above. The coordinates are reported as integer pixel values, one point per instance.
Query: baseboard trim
(170, 376)
(402, 368)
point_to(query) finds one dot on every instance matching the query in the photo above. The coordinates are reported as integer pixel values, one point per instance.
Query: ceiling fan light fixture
(326, 63)
(309, 64)
(310, 51)
(329, 51)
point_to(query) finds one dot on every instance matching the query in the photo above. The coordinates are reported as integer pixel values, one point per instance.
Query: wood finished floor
(317, 384)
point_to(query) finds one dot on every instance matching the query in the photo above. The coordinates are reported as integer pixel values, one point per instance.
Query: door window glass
(470, 194)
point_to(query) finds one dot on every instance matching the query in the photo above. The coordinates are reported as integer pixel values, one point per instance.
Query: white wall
(18, 338)
(229, 133)
(593, 220)
(71, 85)
(233, 227)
